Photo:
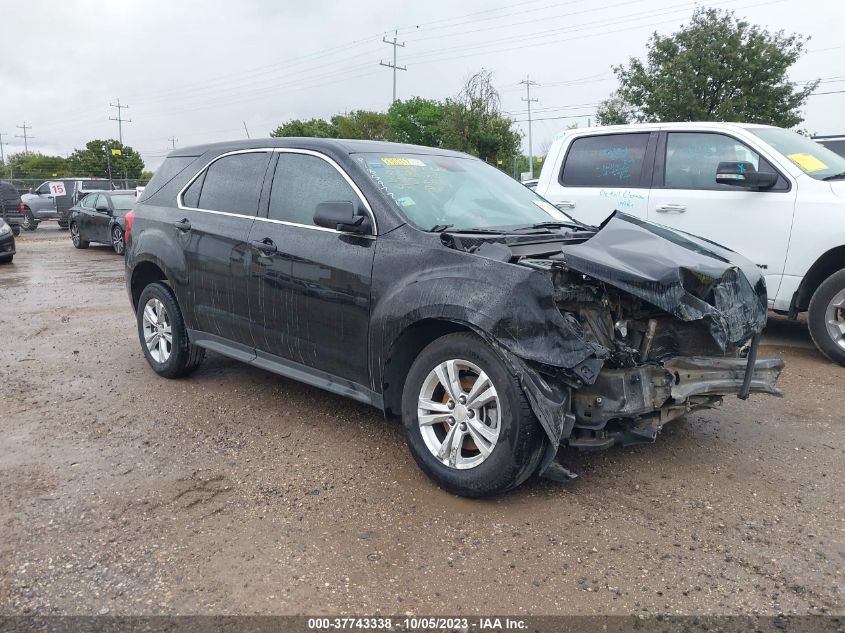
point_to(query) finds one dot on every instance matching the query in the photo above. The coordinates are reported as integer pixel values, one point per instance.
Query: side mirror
(102, 208)
(341, 216)
(743, 174)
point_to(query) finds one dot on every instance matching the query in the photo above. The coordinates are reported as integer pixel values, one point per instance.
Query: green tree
(417, 120)
(318, 128)
(362, 124)
(717, 68)
(93, 160)
(34, 165)
(473, 122)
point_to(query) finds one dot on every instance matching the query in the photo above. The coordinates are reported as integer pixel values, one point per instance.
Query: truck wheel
(29, 221)
(76, 238)
(163, 335)
(827, 317)
(467, 422)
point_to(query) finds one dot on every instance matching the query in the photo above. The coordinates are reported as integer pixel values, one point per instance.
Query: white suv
(772, 195)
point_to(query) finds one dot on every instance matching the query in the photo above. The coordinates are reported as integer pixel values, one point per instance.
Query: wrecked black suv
(436, 288)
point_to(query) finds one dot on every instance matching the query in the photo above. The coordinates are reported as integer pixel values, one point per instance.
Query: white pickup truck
(770, 194)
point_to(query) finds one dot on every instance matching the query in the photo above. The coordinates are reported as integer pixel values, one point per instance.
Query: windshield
(123, 201)
(813, 159)
(446, 192)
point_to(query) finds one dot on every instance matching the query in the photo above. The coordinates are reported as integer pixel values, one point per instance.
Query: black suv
(436, 288)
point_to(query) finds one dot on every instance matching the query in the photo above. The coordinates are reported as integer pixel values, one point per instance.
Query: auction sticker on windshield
(403, 162)
(807, 162)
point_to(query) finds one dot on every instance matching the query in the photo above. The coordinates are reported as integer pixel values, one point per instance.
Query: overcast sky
(197, 70)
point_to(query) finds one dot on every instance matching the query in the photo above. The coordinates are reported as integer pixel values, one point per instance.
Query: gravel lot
(237, 491)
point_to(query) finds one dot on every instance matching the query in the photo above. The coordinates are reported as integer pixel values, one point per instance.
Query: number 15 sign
(57, 188)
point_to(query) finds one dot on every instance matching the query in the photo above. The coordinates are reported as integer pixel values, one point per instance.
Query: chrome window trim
(282, 150)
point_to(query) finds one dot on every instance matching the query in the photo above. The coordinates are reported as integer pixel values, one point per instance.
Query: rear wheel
(163, 335)
(29, 222)
(826, 317)
(75, 237)
(467, 421)
(117, 240)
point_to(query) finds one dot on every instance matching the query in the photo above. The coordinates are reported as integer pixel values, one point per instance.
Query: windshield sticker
(403, 162)
(807, 162)
(405, 201)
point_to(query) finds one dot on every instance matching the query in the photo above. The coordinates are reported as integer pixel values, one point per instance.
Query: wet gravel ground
(237, 491)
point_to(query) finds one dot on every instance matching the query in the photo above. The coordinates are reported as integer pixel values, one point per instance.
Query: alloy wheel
(158, 335)
(117, 240)
(74, 234)
(459, 414)
(835, 318)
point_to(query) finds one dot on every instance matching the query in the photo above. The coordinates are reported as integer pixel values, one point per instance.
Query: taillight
(129, 219)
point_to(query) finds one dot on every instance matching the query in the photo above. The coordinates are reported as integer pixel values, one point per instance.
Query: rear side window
(301, 183)
(123, 201)
(233, 183)
(609, 160)
(89, 201)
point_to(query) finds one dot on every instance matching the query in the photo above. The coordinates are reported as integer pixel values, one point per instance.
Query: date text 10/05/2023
(410, 623)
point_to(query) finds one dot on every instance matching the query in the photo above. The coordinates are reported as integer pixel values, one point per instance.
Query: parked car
(436, 288)
(42, 204)
(773, 195)
(833, 143)
(7, 243)
(11, 207)
(101, 217)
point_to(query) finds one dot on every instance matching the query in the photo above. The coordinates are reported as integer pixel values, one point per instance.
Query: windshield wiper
(439, 228)
(835, 176)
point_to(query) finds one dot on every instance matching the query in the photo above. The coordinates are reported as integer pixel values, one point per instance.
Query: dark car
(101, 217)
(11, 207)
(7, 243)
(52, 200)
(835, 143)
(438, 289)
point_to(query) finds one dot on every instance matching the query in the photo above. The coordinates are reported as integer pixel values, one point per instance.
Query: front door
(686, 197)
(215, 214)
(310, 286)
(99, 219)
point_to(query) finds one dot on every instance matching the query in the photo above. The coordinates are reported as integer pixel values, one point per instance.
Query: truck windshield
(814, 159)
(456, 193)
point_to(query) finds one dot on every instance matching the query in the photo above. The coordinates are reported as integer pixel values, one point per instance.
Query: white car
(772, 195)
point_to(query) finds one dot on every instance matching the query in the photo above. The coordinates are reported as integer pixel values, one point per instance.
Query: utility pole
(108, 160)
(246, 130)
(527, 98)
(173, 140)
(120, 120)
(394, 43)
(2, 143)
(24, 136)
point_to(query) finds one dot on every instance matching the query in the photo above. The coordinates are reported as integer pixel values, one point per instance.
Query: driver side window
(693, 157)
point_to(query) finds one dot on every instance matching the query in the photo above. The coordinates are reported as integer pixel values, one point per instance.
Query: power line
(24, 136)
(120, 120)
(527, 98)
(395, 44)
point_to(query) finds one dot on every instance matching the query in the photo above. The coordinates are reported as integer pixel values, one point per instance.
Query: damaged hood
(686, 276)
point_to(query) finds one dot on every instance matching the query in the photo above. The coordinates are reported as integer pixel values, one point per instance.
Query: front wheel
(163, 335)
(826, 317)
(76, 238)
(29, 222)
(467, 421)
(117, 240)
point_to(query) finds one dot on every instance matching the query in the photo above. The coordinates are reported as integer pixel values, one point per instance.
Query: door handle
(183, 225)
(671, 208)
(265, 247)
(565, 204)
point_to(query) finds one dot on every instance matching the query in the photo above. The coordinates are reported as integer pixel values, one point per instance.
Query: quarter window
(88, 201)
(692, 159)
(233, 183)
(608, 160)
(301, 183)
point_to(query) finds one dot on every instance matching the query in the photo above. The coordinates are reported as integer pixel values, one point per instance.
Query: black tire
(818, 317)
(117, 242)
(63, 226)
(184, 357)
(521, 441)
(6, 259)
(29, 222)
(77, 240)
(16, 229)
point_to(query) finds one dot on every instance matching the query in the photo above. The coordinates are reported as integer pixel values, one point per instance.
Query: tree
(717, 68)
(318, 128)
(474, 124)
(416, 121)
(362, 124)
(34, 165)
(93, 161)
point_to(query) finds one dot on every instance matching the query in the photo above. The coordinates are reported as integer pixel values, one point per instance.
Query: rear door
(310, 286)
(216, 211)
(602, 173)
(685, 196)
